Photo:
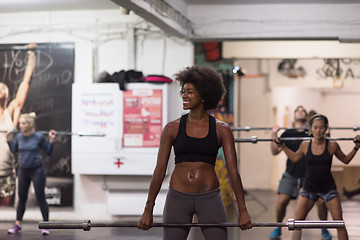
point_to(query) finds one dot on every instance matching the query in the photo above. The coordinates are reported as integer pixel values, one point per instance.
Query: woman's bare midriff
(194, 177)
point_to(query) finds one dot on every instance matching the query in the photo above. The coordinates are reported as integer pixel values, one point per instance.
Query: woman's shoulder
(174, 122)
(38, 135)
(223, 129)
(333, 144)
(172, 125)
(221, 124)
(305, 143)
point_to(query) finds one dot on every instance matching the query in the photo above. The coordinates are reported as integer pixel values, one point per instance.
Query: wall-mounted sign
(142, 118)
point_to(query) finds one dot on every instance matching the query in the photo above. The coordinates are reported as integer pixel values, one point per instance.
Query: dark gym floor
(261, 206)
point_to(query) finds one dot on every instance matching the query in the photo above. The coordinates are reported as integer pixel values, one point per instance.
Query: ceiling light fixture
(240, 72)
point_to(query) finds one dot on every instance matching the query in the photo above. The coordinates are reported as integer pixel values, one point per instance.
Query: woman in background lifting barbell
(319, 182)
(31, 169)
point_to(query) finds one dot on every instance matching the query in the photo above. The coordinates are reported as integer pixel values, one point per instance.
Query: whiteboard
(131, 120)
(96, 110)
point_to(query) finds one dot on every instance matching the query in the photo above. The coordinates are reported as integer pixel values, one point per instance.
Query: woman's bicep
(295, 156)
(13, 146)
(46, 146)
(228, 145)
(339, 154)
(166, 142)
(302, 149)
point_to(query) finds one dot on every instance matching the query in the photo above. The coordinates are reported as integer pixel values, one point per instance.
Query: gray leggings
(180, 208)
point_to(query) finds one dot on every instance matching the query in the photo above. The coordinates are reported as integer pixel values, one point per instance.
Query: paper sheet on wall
(97, 113)
(142, 118)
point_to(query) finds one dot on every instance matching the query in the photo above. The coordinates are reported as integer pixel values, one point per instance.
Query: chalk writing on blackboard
(48, 95)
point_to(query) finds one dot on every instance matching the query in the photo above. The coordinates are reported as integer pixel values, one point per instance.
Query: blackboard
(49, 94)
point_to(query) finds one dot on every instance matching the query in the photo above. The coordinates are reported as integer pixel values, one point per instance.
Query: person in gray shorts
(290, 185)
(292, 179)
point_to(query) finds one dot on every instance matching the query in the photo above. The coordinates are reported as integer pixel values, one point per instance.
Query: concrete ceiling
(226, 2)
(8, 6)
(226, 19)
(208, 20)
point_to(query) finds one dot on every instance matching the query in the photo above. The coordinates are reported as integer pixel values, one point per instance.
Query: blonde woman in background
(28, 143)
(9, 117)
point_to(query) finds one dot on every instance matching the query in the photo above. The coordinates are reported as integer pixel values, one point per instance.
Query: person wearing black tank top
(292, 179)
(196, 138)
(319, 182)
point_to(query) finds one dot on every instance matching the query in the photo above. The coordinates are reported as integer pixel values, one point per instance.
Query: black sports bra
(190, 149)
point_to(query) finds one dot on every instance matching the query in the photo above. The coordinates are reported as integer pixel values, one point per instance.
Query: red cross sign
(118, 162)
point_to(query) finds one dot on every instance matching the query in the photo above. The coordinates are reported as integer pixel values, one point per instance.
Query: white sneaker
(45, 232)
(15, 229)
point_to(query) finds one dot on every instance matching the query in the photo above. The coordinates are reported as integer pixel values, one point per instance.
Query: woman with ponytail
(29, 144)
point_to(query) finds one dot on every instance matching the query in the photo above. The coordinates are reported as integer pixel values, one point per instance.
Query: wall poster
(142, 120)
(48, 94)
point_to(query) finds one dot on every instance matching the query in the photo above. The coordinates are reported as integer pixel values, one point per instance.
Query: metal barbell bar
(75, 134)
(66, 133)
(248, 128)
(255, 139)
(292, 224)
(24, 47)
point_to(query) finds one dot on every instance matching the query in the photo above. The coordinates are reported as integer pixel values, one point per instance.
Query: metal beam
(64, 133)
(161, 14)
(248, 128)
(255, 139)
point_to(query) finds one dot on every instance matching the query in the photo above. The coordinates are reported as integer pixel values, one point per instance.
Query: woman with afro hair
(196, 138)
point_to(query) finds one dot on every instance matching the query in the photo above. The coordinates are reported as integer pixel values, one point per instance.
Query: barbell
(248, 128)
(75, 134)
(65, 133)
(24, 47)
(292, 224)
(255, 139)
